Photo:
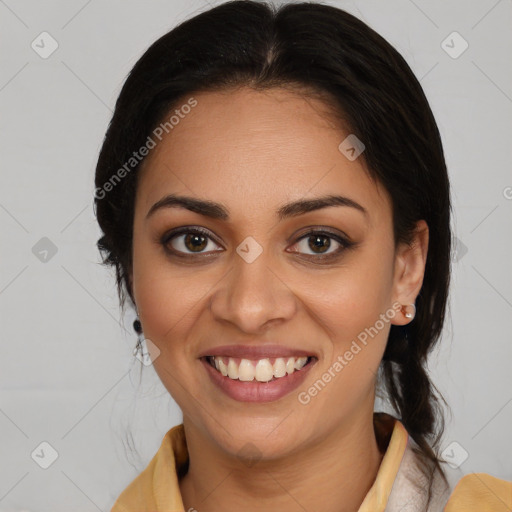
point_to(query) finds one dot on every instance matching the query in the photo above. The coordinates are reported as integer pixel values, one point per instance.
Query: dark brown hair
(327, 51)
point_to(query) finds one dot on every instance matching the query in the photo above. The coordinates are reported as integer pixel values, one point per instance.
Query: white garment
(409, 492)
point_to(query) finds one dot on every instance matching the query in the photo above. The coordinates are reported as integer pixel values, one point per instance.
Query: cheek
(346, 377)
(353, 307)
(352, 297)
(357, 321)
(167, 303)
(162, 297)
(171, 301)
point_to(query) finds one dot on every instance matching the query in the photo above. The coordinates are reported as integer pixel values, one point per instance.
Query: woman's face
(255, 284)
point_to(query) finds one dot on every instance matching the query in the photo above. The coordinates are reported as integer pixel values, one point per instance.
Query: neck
(336, 472)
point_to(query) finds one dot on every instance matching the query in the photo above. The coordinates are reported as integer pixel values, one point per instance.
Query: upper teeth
(262, 370)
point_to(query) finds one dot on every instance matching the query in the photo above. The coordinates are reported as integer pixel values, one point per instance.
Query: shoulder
(475, 492)
(480, 492)
(139, 494)
(157, 488)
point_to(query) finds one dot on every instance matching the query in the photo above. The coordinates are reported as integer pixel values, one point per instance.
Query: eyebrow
(220, 212)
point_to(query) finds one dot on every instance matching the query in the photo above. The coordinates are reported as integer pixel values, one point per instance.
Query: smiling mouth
(261, 370)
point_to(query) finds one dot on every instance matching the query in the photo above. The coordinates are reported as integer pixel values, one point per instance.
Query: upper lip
(255, 351)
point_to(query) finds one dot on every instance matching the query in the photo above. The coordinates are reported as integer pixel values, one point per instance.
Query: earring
(409, 311)
(137, 327)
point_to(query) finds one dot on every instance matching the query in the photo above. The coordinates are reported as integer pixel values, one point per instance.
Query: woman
(273, 194)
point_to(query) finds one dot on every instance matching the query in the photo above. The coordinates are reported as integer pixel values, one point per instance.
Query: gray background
(67, 374)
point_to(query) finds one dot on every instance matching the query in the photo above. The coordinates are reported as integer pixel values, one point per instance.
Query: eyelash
(344, 242)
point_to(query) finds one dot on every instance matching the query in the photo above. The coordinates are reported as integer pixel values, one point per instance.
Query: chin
(257, 438)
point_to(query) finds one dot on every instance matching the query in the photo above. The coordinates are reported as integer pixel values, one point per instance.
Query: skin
(254, 151)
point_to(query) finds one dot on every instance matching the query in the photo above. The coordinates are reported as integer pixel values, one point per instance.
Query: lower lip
(254, 391)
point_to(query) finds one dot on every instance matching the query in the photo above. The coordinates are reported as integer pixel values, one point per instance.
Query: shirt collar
(157, 487)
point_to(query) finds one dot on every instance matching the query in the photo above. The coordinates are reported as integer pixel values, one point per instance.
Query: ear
(410, 260)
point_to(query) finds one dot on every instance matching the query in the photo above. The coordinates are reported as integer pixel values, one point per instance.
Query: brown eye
(322, 244)
(189, 241)
(194, 242)
(319, 244)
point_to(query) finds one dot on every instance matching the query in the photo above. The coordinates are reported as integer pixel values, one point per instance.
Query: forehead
(255, 148)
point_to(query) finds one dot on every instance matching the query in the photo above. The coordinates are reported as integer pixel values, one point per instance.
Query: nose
(252, 296)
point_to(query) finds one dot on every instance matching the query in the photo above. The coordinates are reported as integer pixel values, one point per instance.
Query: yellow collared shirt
(156, 489)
